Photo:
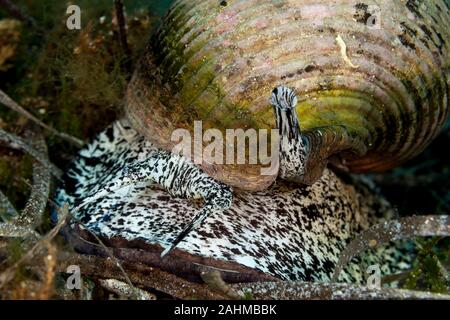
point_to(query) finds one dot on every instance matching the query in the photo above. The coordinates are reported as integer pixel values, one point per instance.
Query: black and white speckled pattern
(294, 233)
(293, 150)
(145, 163)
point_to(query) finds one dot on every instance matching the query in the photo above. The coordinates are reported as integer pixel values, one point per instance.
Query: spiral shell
(370, 97)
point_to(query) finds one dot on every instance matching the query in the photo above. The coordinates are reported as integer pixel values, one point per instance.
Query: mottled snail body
(283, 232)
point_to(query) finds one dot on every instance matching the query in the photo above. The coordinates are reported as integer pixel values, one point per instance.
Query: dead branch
(403, 228)
(327, 291)
(8, 102)
(124, 290)
(31, 215)
(139, 274)
(10, 230)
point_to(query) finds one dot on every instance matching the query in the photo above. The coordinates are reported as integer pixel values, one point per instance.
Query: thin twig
(105, 248)
(327, 291)
(120, 15)
(140, 274)
(111, 255)
(10, 230)
(124, 290)
(7, 101)
(404, 228)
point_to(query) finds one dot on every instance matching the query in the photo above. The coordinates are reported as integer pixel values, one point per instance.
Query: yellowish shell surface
(371, 76)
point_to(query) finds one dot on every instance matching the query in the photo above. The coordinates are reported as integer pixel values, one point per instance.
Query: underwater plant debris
(216, 61)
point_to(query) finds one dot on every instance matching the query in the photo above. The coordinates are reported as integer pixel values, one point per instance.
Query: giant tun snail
(362, 97)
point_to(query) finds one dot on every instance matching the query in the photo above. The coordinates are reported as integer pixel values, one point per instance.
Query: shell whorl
(376, 103)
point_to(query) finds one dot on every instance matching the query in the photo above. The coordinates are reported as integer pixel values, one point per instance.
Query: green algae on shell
(371, 109)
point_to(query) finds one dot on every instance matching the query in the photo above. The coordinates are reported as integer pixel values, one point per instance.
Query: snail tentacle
(206, 211)
(293, 146)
